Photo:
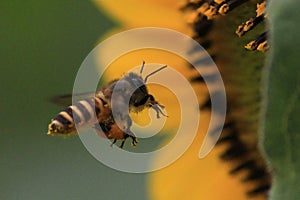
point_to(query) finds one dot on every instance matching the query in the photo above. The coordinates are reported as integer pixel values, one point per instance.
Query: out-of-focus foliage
(280, 126)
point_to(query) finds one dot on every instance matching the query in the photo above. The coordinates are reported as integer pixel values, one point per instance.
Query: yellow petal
(193, 178)
(133, 13)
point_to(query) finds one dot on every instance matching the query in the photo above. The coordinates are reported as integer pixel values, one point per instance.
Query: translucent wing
(66, 99)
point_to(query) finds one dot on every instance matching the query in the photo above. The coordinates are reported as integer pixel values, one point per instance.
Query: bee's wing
(66, 100)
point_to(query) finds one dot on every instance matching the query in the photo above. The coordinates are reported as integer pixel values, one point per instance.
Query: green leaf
(281, 120)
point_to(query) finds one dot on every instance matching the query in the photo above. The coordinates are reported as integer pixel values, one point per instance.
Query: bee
(106, 110)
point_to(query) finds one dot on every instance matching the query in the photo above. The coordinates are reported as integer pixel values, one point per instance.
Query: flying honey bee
(107, 111)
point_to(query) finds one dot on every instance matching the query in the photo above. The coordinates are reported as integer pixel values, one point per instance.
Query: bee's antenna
(145, 80)
(142, 68)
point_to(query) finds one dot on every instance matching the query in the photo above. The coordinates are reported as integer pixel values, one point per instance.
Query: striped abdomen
(83, 113)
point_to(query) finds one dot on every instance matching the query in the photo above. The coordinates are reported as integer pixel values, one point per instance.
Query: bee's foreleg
(157, 107)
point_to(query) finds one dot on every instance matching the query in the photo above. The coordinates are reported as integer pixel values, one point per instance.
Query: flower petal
(133, 13)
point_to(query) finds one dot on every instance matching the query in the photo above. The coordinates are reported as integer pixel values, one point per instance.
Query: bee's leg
(115, 140)
(122, 144)
(123, 141)
(134, 139)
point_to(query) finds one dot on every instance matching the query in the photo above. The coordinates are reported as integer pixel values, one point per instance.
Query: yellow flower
(189, 177)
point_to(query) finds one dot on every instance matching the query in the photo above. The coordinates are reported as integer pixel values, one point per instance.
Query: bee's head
(140, 98)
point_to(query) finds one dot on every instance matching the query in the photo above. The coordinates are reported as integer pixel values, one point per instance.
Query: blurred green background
(42, 45)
